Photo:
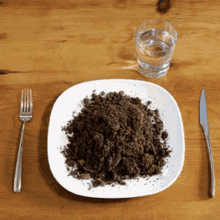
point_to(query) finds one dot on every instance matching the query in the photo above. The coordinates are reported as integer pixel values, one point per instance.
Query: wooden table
(50, 46)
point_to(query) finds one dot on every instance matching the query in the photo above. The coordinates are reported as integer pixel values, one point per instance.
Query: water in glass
(154, 51)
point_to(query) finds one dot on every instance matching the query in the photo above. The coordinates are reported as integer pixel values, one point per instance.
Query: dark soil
(115, 137)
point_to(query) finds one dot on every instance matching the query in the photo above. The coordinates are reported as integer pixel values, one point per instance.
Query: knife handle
(207, 137)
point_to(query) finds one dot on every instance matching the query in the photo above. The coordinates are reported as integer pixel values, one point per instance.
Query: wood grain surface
(50, 46)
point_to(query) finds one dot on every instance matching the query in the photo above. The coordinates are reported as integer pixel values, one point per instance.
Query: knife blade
(205, 125)
(203, 112)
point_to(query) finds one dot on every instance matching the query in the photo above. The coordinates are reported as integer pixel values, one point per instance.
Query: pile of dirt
(115, 137)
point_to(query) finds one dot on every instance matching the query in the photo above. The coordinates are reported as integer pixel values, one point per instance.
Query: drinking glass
(155, 43)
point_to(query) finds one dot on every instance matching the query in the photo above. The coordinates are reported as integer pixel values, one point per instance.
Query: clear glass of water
(155, 43)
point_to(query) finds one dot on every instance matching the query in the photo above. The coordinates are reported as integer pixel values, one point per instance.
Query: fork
(26, 110)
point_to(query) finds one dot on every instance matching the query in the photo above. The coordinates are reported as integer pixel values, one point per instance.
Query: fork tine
(25, 100)
(31, 103)
(22, 101)
(26, 109)
(28, 100)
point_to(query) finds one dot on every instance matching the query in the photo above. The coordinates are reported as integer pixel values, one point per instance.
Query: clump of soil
(115, 137)
(163, 6)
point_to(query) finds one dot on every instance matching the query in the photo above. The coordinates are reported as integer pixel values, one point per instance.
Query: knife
(205, 126)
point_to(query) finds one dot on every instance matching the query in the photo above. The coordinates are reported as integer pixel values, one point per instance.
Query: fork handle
(18, 169)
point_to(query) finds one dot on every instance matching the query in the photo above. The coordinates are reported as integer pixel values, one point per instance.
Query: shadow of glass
(45, 169)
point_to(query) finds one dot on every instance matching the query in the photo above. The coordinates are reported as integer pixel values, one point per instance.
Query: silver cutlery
(26, 110)
(205, 125)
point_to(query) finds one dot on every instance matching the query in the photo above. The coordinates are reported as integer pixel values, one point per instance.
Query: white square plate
(71, 100)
